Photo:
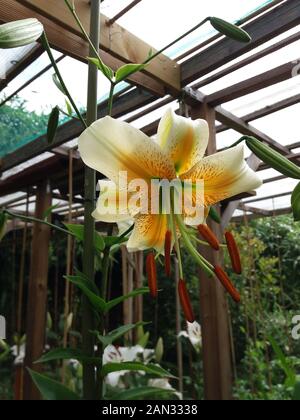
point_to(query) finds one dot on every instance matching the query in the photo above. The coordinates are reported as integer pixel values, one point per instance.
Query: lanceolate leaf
(52, 390)
(136, 366)
(78, 232)
(58, 84)
(230, 30)
(107, 71)
(290, 374)
(96, 301)
(143, 393)
(52, 124)
(66, 354)
(112, 303)
(20, 33)
(125, 71)
(296, 203)
(117, 333)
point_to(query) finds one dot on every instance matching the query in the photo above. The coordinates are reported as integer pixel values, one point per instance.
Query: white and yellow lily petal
(225, 175)
(184, 140)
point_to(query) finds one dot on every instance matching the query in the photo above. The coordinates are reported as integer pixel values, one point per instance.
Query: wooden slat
(263, 112)
(262, 29)
(239, 125)
(248, 60)
(275, 213)
(73, 45)
(261, 81)
(116, 40)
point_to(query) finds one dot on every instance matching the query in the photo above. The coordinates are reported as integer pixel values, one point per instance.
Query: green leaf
(107, 71)
(58, 84)
(137, 292)
(144, 340)
(49, 210)
(20, 33)
(111, 241)
(230, 30)
(3, 221)
(52, 390)
(296, 396)
(117, 333)
(296, 203)
(96, 301)
(78, 232)
(136, 366)
(290, 374)
(69, 108)
(214, 215)
(67, 354)
(127, 70)
(142, 393)
(52, 125)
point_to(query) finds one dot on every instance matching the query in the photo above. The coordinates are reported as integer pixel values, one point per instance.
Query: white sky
(160, 21)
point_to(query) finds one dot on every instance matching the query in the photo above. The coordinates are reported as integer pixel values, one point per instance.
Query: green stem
(90, 389)
(176, 40)
(152, 57)
(111, 99)
(204, 264)
(46, 45)
(35, 220)
(175, 236)
(85, 34)
(207, 244)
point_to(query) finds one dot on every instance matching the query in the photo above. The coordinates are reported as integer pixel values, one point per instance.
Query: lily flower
(124, 154)
(112, 147)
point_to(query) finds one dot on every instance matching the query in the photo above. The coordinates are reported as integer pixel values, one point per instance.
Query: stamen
(152, 274)
(168, 244)
(234, 253)
(226, 282)
(185, 302)
(209, 236)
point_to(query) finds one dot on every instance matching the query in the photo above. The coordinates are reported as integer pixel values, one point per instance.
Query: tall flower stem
(89, 377)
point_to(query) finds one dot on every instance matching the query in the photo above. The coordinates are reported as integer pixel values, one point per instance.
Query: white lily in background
(111, 147)
(163, 383)
(194, 334)
(114, 354)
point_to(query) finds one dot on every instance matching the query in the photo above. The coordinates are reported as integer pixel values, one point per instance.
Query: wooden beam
(263, 112)
(73, 45)
(114, 39)
(123, 104)
(253, 210)
(213, 306)
(37, 293)
(261, 81)
(248, 60)
(278, 212)
(262, 29)
(269, 197)
(239, 125)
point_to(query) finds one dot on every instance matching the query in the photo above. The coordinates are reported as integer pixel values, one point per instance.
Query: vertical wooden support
(213, 305)
(37, 292)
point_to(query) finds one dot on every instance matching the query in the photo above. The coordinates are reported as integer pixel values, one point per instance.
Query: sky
(158, 22)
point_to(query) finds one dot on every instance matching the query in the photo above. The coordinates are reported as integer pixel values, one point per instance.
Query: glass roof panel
(172, 19)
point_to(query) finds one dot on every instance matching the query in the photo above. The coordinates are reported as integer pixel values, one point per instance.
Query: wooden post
(37, 291)
(213, 304)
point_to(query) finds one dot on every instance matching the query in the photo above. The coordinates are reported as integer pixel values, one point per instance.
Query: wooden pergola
(163, 82)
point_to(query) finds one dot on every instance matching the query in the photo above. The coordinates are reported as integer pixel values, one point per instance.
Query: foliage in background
(18, 126)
